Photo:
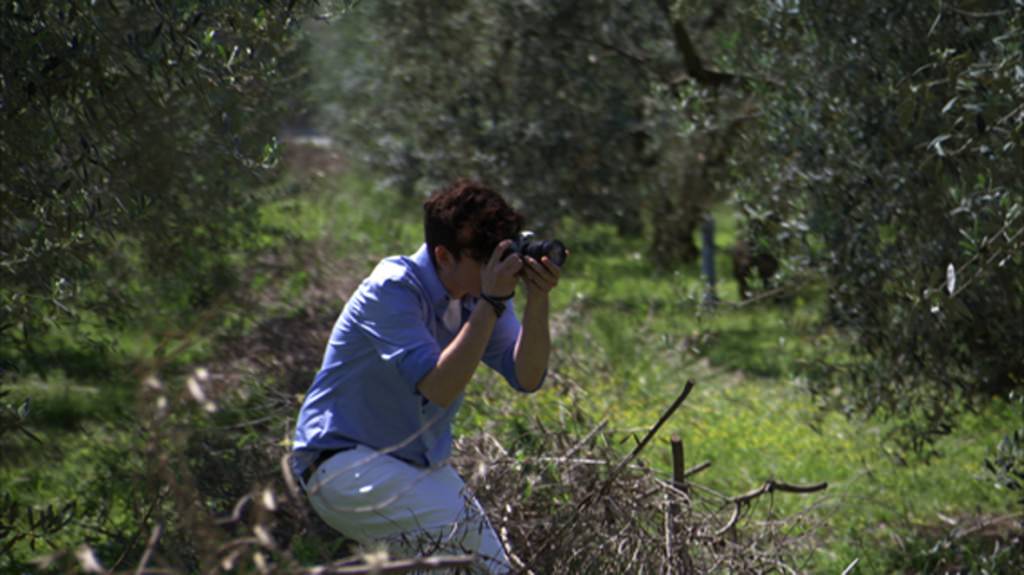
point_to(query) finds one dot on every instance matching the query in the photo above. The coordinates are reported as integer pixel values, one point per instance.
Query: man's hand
(540, 277)
(534, 345)
(498, 276)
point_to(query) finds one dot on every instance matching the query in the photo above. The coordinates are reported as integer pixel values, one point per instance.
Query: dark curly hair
(468, 218)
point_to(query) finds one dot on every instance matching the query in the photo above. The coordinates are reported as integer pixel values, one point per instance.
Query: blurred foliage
(134, 135)
(14, 418)
(85, 488)
(569, 108)
(984, 545)
(625, 336)
(1007, 464)
(137, 140)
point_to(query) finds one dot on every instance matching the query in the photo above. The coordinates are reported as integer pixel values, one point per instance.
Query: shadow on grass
(754, 351)
(68, 383)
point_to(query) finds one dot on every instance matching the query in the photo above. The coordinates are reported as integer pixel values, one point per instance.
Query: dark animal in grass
(747, 258)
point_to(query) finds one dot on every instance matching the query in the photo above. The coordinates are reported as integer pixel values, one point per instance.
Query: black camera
(526, 245)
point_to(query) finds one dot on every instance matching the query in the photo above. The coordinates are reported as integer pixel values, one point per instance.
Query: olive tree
(135, 138)
(891, 145)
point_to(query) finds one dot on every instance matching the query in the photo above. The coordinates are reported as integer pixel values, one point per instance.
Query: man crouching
(374, 433)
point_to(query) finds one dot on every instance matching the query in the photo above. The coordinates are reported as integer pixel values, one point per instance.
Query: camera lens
(553, 249)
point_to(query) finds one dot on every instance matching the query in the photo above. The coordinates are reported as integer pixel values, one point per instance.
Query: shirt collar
(428, 274)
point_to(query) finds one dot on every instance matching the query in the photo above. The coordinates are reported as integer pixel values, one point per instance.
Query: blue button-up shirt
(388, 337)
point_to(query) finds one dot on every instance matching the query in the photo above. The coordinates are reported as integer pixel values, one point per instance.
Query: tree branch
(694, 66)
(769, 486)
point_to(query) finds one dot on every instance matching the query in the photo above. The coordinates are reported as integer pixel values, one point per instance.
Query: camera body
(526, 244)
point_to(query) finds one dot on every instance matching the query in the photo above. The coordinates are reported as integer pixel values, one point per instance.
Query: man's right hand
(498, 276)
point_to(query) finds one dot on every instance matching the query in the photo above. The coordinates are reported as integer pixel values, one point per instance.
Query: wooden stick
(697, 468)
(679, 464)
(679, 482)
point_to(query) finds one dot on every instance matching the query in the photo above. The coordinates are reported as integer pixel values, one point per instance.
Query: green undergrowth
(89, 367)
(79, 384)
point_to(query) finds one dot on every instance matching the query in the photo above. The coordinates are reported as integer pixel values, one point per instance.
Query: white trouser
(370, 497)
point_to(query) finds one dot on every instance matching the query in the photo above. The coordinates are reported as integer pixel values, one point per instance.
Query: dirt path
(287, 346)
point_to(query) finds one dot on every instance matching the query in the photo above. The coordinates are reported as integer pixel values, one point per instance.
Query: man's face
(466, 276)
(460, 276)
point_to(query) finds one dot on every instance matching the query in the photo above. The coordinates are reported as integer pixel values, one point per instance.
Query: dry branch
(574, 504)
(768, 487)
(595, 495)
(589, 514)
(650, 435)
(772, 485)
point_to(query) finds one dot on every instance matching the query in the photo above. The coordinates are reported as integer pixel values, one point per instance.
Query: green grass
(351, 213)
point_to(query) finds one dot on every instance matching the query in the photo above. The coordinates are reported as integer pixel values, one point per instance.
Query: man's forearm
(455, 367)
(534, 345)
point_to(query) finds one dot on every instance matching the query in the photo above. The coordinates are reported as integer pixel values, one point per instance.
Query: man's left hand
(541, 276)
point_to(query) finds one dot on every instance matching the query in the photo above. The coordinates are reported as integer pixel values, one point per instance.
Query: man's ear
(443, 257)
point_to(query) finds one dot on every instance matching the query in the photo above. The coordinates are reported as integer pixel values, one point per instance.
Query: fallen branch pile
(589, 510)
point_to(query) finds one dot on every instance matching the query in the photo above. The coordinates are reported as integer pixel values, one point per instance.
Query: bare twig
(697, 469)
(768, 487)
(154, 536)
(289, 477)
(643, 443)
(579, 445)
(236, 512)
(598, 494)
(973, 14)
(142, 525)
(736, 509)
(772, 485)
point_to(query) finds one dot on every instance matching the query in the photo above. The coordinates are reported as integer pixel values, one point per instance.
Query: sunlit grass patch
(351, 214)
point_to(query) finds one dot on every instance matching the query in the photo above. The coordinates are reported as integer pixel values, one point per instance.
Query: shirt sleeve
(500, 354)
(392, 317)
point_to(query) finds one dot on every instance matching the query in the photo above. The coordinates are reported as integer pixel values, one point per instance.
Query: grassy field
(627, 339)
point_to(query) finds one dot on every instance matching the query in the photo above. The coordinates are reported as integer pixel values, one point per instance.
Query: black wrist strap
(498, 303)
